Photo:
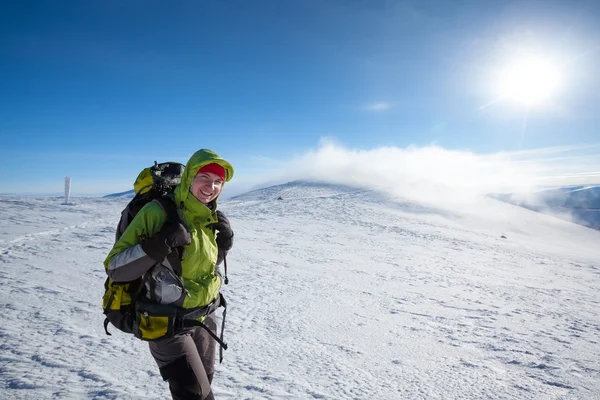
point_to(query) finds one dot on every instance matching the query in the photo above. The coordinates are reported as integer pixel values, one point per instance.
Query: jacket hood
(197, 161)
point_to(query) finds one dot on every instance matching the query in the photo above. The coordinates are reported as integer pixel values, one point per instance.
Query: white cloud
(378, 107)
(433, 173)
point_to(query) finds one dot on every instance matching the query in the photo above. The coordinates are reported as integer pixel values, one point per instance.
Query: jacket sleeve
(127, 261)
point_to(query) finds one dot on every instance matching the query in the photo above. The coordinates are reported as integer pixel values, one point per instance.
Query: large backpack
(154, 183)
(123, 302)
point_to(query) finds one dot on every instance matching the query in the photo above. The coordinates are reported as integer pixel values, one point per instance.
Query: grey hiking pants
(187, 361)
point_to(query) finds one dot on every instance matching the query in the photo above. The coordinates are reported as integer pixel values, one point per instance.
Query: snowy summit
(335, 293)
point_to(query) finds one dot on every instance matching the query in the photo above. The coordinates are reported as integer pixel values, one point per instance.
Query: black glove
(171, 236)
(224, 236)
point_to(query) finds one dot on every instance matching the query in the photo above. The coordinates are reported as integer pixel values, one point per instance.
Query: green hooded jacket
(198, 265)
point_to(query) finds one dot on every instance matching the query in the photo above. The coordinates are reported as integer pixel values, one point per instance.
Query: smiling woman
(529, 81)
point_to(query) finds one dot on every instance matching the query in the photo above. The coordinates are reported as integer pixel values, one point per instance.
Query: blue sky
(99, 90)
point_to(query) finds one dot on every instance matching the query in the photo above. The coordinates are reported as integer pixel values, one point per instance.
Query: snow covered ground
(335, 293)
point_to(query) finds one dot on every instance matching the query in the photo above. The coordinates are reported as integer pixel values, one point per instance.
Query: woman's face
(206, 187)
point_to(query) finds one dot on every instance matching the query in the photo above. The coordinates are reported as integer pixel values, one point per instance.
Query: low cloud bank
(434, 174)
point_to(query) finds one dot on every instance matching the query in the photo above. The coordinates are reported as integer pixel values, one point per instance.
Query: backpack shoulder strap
(167, 203)
(130, 211)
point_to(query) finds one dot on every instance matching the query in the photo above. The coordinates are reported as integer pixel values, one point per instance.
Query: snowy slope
(335, 293)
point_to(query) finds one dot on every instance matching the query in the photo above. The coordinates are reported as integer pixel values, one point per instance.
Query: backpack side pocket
(117, 307)
(154, 321)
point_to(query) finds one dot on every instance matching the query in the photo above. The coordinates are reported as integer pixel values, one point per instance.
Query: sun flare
(529, 81)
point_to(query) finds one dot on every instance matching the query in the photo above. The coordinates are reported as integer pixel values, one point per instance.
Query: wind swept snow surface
(335, 293)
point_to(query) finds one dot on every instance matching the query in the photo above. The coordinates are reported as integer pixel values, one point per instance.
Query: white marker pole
(67, 189)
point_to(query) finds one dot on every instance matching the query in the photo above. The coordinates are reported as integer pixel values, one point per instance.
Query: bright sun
(529, 81)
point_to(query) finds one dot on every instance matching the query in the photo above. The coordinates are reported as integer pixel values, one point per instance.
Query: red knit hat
(213, 168)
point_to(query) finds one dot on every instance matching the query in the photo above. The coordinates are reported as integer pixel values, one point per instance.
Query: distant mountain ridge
(581, 202)
(128, 193)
